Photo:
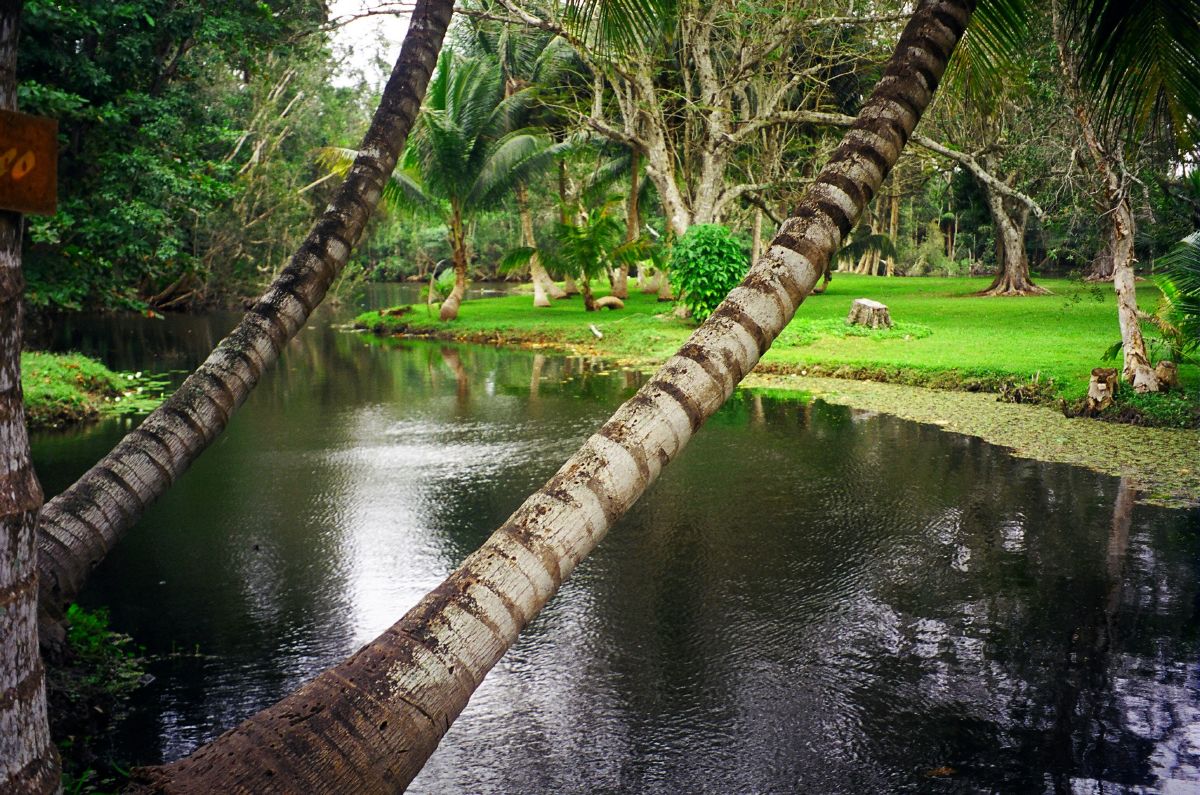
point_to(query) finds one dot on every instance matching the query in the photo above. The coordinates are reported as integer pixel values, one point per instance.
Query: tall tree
(81, 525)
(467, 152)
(370, 723)
(28, 760)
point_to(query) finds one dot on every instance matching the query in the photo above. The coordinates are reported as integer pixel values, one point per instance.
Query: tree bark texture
(369, 724)
(872, 314)
(1110, 166)
(458, 244)
(28, 759)
(1010, 219)
(633, 224)
(544, 287)
(81, 525)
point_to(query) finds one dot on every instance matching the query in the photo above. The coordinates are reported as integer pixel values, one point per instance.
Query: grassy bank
(944, 337)
(63, 389)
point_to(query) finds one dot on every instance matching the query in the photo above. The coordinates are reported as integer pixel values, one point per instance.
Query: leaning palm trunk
(369, 724)
(28, 760)
(81, 525)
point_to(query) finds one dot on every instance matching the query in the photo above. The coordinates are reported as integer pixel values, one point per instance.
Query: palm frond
(1140, 59)
(518, 157)
(1180, 284)
(612, 25)
(516, 259)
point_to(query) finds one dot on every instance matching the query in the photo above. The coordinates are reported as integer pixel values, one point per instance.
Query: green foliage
(61, 389)
(1158, 409)
(86, 688)
(1180, 283)
(153, 98)
(706, 263)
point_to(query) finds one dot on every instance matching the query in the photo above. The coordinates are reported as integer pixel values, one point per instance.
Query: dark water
(811, 599)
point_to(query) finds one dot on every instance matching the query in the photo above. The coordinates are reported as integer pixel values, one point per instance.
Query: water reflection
(810, 599)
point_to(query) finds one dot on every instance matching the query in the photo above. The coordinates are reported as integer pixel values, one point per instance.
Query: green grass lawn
(944, 335)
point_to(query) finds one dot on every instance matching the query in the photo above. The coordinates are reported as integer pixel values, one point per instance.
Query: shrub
(706, 263)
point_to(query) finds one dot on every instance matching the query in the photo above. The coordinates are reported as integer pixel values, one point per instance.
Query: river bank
(63, 389)
(943, 363)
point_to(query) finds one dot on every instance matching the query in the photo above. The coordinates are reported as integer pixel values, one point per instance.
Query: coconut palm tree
(467, 152)
(369, 723)
(80, 526)
(386, 708)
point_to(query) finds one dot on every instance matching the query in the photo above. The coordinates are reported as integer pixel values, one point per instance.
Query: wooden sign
(28, 163)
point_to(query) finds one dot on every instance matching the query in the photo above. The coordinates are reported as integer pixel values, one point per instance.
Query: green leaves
(706, 263)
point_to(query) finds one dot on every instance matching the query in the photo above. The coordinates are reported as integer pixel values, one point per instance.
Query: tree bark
(1010, 220)
(370, 723)
(633, 224)
(28, 759)
(544, 287)
(894, 226)
(1110, 165)
(458, 244)
(81, 525)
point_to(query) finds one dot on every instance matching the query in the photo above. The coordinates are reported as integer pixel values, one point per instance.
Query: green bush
(706, 263)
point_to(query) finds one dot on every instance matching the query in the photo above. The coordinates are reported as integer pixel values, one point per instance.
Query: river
(810, 599)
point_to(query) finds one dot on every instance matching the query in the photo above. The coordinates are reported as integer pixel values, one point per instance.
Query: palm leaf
(1180, 283)
(1140, 59)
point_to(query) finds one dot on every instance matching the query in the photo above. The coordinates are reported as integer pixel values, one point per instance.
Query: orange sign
(28, 163)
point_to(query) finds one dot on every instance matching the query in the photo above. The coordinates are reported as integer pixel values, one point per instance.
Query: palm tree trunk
(458, 243)
(81, 525)
(28, 759)
(544, 287)
(894, 226)
(370, 723)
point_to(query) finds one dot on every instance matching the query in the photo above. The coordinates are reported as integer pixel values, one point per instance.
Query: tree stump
(865, 312)
(1167, 374)
(1101, 389)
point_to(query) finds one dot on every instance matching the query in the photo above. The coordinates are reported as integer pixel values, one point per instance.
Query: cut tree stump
(1167, 374)
(865, 312)
(1101, 389)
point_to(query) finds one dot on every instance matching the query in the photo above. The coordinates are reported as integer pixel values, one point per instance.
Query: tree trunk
(544, 287)
(370, 723)
(633, 225)
(894, 226)
(1009, 221)
(28, 759)
(81, 525)
(1110, 165)
(589, 300)
(756, 240)
(1137, 370)
(458, 242)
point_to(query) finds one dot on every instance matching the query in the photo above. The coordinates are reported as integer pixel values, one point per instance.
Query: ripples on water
(811, 599)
